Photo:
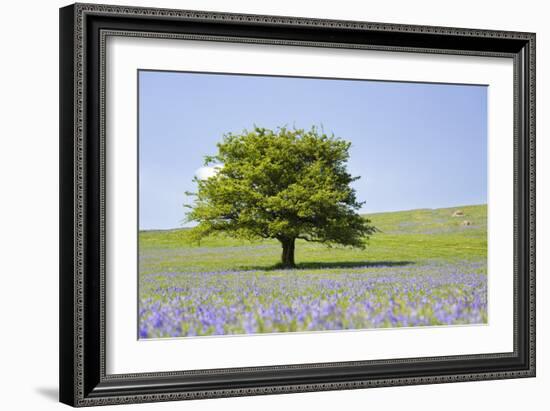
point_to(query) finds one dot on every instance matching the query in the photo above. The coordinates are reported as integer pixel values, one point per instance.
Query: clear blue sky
(415, 145)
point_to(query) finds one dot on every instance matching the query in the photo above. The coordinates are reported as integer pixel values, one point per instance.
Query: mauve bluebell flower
(142, 332)
(248, 302)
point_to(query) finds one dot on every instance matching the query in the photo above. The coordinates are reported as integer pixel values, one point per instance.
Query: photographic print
(262, 204)
(273, 204)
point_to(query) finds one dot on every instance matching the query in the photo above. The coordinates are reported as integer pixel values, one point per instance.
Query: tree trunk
(287, 257)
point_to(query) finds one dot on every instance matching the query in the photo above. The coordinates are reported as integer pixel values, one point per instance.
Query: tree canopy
(283, 184)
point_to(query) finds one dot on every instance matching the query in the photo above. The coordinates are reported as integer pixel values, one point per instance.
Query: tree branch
(310, 240)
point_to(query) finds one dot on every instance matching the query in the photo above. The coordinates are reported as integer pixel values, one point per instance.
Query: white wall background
(29, 204)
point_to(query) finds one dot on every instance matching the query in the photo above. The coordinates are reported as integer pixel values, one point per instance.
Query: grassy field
(424, 267)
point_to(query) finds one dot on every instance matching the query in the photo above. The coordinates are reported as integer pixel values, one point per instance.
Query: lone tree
(286, 184)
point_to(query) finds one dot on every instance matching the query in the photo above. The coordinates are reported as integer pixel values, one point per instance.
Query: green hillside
(405, 237)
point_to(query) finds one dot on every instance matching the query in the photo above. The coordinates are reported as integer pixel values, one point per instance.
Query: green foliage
(285, 184)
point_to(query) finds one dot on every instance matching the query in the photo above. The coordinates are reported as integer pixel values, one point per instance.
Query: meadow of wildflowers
(407, 277)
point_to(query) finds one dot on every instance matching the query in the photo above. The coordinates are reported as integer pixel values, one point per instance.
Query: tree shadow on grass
(332, 265)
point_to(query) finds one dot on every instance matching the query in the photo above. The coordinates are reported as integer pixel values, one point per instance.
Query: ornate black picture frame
(83, 30)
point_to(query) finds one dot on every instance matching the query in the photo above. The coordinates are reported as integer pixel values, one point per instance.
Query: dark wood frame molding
(83, 30)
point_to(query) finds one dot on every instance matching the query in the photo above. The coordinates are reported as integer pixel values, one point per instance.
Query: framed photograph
(262, 204)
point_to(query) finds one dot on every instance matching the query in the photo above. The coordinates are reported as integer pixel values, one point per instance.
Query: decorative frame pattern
(83, 32)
